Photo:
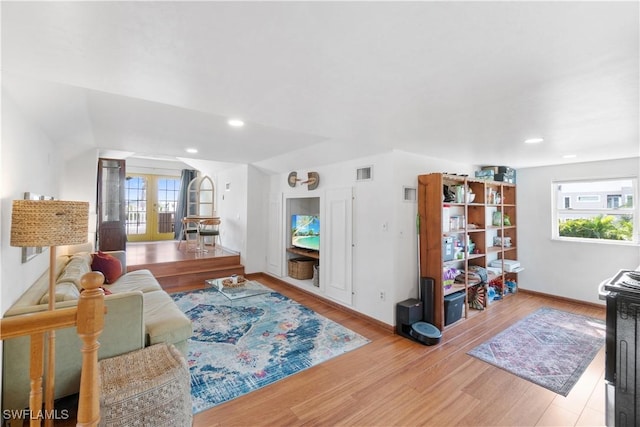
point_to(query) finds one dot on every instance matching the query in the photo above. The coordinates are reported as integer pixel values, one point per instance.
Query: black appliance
(622, 393)
(411, 313)
(408, 312)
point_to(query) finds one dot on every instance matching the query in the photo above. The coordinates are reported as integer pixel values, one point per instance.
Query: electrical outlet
(382, 296)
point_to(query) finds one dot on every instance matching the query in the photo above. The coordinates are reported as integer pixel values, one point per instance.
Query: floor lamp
(51, 223)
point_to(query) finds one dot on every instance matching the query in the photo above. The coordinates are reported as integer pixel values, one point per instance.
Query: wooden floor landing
(181, 267)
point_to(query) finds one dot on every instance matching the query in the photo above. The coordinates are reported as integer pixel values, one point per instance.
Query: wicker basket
(301, 268)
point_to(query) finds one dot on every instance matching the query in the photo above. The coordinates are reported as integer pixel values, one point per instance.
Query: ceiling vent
(409, 194)
(364, 173)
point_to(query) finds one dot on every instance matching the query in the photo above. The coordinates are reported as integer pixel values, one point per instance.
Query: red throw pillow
(108, 265)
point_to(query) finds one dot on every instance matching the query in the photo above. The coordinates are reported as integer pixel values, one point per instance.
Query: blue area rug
(551, 348)
(239, 346)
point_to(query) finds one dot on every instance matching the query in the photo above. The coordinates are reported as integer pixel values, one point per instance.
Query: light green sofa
(139, 313)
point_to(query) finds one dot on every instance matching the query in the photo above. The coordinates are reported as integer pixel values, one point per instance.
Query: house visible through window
(613, 201)
(596, 210)
(590, 198)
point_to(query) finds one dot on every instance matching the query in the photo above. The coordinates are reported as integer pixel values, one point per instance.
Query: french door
(151, 205)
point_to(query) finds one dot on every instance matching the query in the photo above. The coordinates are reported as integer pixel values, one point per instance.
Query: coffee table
(249, 289)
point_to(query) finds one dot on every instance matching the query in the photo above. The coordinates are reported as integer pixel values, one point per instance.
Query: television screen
(305, 232)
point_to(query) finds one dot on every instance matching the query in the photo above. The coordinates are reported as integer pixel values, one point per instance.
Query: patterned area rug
(551, 348)
(239, 346)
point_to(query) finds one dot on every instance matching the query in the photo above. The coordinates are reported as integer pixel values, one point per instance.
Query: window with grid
(596, 210)
(136, 199)
(168, 192)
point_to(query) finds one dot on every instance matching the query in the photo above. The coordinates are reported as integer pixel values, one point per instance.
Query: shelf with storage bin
(453, 289)
(466, 220)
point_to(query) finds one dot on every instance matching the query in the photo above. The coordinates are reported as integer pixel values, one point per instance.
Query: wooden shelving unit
(308, 253)
(480, 222)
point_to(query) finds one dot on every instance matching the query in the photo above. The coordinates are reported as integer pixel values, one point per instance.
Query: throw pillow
(73, 271)
(64, 292)
(108, 265)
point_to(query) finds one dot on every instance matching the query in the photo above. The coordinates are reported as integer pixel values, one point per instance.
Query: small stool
(146, 387)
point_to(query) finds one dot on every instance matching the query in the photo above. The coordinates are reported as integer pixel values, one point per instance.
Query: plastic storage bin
(453, 307)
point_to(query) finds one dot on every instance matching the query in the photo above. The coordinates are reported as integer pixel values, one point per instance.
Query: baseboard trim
(376, 322)
(557, 297)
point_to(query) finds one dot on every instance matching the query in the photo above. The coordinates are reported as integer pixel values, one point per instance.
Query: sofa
(139, 313)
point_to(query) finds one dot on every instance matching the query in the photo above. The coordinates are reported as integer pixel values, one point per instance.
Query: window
(590, 198)
(604, 210)
(613, 201)
(151, 204)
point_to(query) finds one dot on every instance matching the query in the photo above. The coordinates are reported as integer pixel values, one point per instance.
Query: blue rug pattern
(242, 345)
(551, 348)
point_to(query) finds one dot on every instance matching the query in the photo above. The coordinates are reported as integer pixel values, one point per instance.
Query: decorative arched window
(201, 197)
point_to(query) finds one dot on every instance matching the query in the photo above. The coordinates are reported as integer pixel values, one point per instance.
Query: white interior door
(336, 245)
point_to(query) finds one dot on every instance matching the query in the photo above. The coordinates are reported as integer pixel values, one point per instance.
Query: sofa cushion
(105, 291)
(108, 265)
(66, 291)
(77, 266)
(164, 322)
(138, 280)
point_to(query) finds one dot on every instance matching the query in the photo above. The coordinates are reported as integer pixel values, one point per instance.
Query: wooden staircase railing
(88, 318)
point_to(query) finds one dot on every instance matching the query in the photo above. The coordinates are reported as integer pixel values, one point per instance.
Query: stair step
(176, 268)
(181, 268)
(179, 281)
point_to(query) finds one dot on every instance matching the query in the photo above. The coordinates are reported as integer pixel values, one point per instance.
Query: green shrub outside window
(602, 210)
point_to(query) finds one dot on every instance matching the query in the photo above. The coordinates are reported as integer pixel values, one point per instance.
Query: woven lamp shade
(49, 223)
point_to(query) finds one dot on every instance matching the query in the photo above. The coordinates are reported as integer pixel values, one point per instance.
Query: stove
(626, 282)
(622, 294)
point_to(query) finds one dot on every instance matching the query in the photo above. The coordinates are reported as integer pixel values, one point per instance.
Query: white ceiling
(319, 82)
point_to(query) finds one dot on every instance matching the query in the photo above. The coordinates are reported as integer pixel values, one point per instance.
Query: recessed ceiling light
(569, 156)
(533, 140)
(236, 123)
(191, 150)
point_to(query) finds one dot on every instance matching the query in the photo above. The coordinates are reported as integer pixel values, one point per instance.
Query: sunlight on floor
(585, 404)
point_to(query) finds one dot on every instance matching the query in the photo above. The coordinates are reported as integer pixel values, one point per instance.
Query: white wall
(79, 183)
(407, 167)
(567, 269)
(256, 220)
(385, 244)
(29, 163)
(231, 206)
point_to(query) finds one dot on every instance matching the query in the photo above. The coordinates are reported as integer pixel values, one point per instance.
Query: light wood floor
(396, 382)
(168, 251)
